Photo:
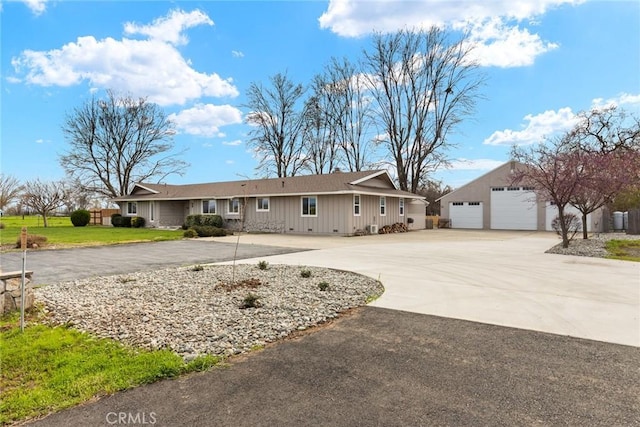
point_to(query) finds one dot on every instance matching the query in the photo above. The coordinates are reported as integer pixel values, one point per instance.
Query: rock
(185, 311)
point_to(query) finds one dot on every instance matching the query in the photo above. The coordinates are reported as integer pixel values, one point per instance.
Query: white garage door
(465, 214)
(552, 212)
(513, 208)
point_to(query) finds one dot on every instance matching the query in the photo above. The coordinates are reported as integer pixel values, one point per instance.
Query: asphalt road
(53, 266)
(380, 367)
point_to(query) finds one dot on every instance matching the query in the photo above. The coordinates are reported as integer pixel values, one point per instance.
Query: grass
(626, 250)
(46, 369)
(61, 232)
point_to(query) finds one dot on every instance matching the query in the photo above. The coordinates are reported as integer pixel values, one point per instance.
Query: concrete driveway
(500, 278)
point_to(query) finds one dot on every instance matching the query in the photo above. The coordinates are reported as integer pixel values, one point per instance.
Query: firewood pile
(398, 227)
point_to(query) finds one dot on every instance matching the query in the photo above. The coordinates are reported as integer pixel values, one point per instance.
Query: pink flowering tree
(553, 172)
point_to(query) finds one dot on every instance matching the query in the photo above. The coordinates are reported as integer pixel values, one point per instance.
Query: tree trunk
(584, 227)
(563, 227)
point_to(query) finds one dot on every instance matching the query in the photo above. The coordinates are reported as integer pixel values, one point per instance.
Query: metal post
(23, 245)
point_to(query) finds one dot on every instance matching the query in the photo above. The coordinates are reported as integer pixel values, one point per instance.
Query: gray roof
(365, 182)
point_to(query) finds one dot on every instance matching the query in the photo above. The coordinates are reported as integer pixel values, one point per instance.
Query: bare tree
(424, 84)
(277, 116)
(10, 189)
(433, 191)
(76, 197)
(348, 112)
(606, 130)
(117, 142)
(44, 197)
(320, 149)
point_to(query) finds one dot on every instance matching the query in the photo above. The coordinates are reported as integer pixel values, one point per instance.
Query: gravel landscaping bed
(197, 310)
(594, 246)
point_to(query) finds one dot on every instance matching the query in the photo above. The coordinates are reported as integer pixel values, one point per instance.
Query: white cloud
(497, 44)
(237, 54)
(170, 28)
(232, 143)
(494, 26)
(536, 128)
(206, 119)
(624, 99)
(151, 68)
(551, 122)
(37, 6)
(229, 162)
(474, 164)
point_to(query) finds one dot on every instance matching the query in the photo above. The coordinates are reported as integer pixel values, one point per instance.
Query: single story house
(491, 202)
(341, 203)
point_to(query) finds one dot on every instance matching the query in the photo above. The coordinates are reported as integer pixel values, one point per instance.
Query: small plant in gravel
(197, 267)
(126, 279)
(263, 265)
(323, 286)
(305, 274)
(251, 300)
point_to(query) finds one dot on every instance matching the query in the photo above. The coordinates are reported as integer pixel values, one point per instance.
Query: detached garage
(493, 202)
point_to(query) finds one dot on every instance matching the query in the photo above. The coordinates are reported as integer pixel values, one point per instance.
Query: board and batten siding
(285, 215)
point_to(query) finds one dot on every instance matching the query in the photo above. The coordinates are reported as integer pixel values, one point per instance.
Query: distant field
(60, 232)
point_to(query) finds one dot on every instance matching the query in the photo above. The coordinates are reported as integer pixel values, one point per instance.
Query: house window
(262, 204)
(458, 203)
(208, 206)
(132, 208)
(497, 189)
(528, 188)
(356, 205)
(234, 206)
(383, 206)
(309, 206)
(513, 189)
(474, 203)
(401, 207)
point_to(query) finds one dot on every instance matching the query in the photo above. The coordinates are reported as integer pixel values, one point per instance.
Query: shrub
(323, 286)
(263, 265)
(126, 221)
(33, 239)
(116, 220)
(251, 301)
(212, 220)
(573, 223)
(80, 217)
(190, 233)
(137, 222)
(197, 267)
(305, 273)
(192, 220)
(208, 231)
(204, 220)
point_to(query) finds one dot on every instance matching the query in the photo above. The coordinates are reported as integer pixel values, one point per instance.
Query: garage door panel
(513, 208)
(466, 214)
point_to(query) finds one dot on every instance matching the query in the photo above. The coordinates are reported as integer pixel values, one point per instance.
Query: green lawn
(627, 250)
(61, 232)
(46, 369)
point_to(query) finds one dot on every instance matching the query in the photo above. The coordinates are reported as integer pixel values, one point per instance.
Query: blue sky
(545, 60)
